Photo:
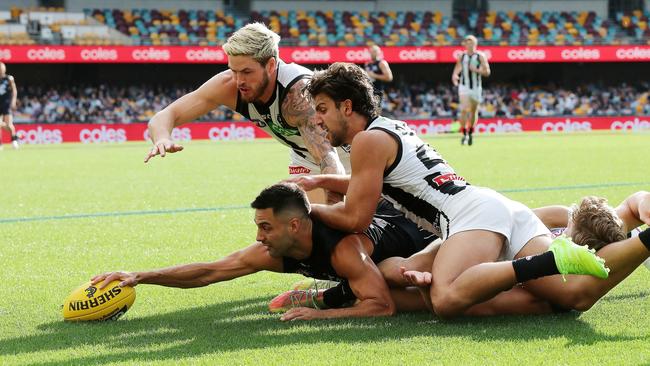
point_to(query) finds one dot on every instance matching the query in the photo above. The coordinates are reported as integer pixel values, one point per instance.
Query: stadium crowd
(100, 103)
(136, 103)
(506, 100)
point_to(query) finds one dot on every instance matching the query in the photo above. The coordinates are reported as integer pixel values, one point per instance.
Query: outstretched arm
(635, 210)
(219, 90)
(249, 260)
(298, 112)
(553, 216)
(351, 260)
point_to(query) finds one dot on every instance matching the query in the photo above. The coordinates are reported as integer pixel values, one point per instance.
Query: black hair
(343, 81)
(283, 197)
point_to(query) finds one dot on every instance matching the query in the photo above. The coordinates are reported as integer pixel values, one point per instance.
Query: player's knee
(447, 305)
(583, 300)
(580, 299)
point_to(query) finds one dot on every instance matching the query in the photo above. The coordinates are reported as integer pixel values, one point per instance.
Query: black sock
(644, 236)
(339, 296)
(535, 266)
(471, 130)
(14, 137)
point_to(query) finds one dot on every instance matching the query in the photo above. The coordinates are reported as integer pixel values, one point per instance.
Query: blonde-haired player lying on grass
(592, 222)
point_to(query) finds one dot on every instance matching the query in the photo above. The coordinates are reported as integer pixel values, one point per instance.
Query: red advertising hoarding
(319, 55)
(243, 131)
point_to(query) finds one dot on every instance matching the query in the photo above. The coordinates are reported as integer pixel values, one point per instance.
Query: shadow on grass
(245, 325)
(632, 296)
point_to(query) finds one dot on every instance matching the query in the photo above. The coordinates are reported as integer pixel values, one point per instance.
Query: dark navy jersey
(391, 234)
(5, 89)
(373, 66)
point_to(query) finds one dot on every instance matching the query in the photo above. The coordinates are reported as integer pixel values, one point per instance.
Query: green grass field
(69, 212)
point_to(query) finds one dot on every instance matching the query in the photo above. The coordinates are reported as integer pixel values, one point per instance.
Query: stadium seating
(392, 28)
(635, 25)
(331, 28)
(154, 27)
(540, 28)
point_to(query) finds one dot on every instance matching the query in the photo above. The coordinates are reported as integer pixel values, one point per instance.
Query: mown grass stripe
(240, 207)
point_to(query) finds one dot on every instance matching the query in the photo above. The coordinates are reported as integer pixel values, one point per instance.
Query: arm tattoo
(298, 112)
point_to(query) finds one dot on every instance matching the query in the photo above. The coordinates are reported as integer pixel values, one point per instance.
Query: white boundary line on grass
(10, 220)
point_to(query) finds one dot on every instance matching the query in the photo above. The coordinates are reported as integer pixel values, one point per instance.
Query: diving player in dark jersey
(289, 240)
(8, 95)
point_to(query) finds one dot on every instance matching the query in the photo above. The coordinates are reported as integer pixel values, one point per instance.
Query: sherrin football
(88, 302)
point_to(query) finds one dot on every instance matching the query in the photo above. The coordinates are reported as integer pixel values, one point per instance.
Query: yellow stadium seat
(487, 33)
(625, 21)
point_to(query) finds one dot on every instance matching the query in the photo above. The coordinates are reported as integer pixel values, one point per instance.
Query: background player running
(8, 95)
(468, 73)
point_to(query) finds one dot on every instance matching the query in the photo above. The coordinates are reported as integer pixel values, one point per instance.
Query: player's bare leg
(465, 273)
(465, 110)
(516, 301)
(471, 120)
(582, 292)
(8, 124)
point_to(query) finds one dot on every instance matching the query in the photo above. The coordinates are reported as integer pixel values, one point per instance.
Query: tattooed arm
(298, 112)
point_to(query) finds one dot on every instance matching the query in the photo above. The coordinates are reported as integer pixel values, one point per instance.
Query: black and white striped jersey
(269, 116)
(470, 79)
(420, 181)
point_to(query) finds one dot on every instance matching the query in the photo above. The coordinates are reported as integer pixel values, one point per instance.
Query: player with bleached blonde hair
(268, 92)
